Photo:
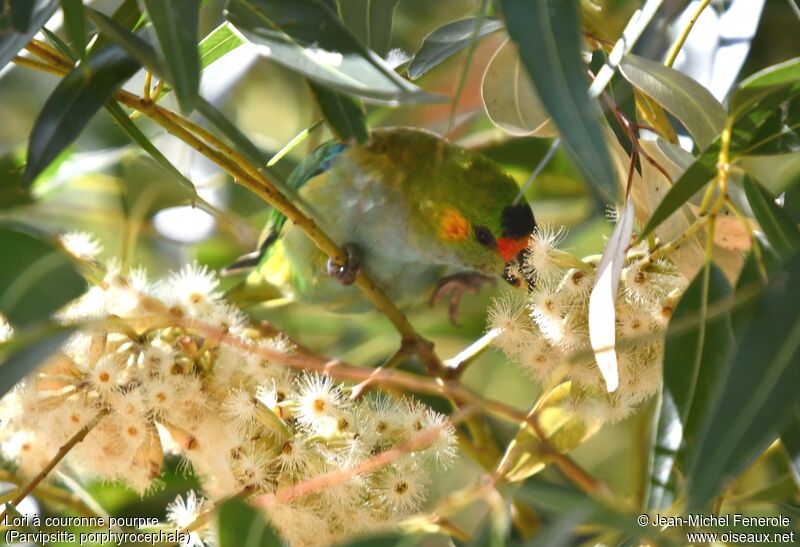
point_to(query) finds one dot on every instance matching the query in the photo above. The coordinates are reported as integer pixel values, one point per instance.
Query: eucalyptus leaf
(143, 52)
(754, 88)
(176, 25)
(307, 37)
(510, 98)
(36, 279)
(691, 103)
(221, 41)
(449, 39)
(344, 115)
(750, 410)
(12, 41)
(746, 127)
(72, 104)
(779, 228)
(75, 25)
(240, 524)
(370, 20)
(127, 16)
(548, 36)
(694, 363)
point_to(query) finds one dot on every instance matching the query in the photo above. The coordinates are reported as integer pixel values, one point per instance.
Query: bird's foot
(456, 286)
(345, 273)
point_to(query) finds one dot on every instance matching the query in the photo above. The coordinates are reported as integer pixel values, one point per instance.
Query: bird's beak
(513, 272)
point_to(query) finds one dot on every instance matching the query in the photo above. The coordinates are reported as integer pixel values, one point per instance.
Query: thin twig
(676, 47)
(55, 460)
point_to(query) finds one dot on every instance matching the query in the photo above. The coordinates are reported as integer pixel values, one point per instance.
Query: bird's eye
(484, 236)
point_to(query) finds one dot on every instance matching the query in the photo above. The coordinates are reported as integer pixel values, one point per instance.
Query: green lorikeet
(420, 215)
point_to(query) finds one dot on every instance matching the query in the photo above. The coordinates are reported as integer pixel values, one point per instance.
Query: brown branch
(55, 460)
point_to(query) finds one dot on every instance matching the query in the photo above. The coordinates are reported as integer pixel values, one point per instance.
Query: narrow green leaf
(308, 38)
(510, 100)
(75, 25)
(12, 41)
(791, 443)
(370, 20)
(146, 55)
(748, 289)
(139, 138)
(176, 24)
(21, 14)
(75, 99)
(36, 279)
(745, 128)
(22, 355)
(240, 524)
(344, 115)
(751, 407)
(560, 501)
(779, 228)
(548, 36)
(694, 362)
(447, 40)
(753, 89)
(127, 16)
(691, 182)
(694, 105)
(220, 42)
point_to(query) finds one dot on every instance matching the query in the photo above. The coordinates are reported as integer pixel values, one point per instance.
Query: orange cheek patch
(453, 226)
(510, 248)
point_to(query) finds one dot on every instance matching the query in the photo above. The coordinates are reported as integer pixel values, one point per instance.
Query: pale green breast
(371, 212)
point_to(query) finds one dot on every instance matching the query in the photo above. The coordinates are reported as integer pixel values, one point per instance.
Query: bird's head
(488, 237)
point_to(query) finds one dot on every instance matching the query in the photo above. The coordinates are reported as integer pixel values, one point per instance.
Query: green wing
(319, 161)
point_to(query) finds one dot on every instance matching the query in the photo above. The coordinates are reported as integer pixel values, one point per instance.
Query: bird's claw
(456, 286)
(345, 273)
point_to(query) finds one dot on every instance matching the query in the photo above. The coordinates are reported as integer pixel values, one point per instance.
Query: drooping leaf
(762, 83)
(447, 40)
(344, 115)
(694, 105)
(370, 20)
(72, 103)
(22, 355)
(510, 98)
(143, 52)
(308, 38)
(698, 343)
(35, 278)
(749, 286)
(779, 228)
(11, 40)
(548, 36)
(750, 410)
(176, 25)
(240, 524)
(75, 25)
(122, 119)
(127, 16)
(602, 301)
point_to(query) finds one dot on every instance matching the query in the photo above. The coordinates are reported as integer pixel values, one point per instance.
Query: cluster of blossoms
(244, 424)
(548, 333)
